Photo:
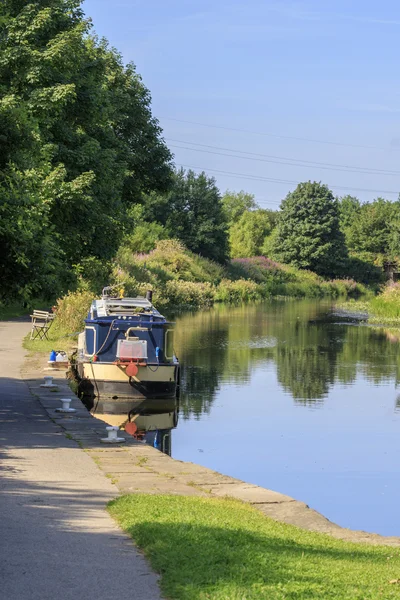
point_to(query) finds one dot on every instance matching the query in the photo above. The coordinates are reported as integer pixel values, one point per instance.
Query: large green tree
(247, 235)
(192, 212)
(235, 204)
(76, 128)
(308, 234)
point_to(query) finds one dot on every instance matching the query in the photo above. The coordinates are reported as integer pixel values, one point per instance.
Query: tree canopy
(308, 233)
(192, 212)
(371, 227)
(235, 204)
(79, 144)
(247, 235)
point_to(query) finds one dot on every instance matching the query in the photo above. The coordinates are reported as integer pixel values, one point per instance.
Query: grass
(382, 309)
(58, 340)
(221, 549)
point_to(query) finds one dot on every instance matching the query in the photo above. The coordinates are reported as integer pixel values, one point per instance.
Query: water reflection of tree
(371, 353)
(201, 341)
(306, 359)
(311, 353)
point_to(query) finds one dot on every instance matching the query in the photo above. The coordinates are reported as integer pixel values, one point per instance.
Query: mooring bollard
(66, 406)
(112, 438)
(48, 382)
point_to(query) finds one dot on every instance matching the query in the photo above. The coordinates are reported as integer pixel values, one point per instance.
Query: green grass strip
(223, 549)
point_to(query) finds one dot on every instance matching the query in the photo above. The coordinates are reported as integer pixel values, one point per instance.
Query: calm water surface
(288, 396)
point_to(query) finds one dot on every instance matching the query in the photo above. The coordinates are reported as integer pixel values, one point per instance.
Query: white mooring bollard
(48, 383)
(66, 406)
(112, 436)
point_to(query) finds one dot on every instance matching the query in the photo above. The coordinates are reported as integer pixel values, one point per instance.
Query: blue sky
(297, 83)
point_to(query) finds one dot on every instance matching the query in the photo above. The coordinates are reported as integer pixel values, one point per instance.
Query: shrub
(169, 260)
(259, 268)
(92, 274)
(241, 290)
(188, 293)
(71, 310)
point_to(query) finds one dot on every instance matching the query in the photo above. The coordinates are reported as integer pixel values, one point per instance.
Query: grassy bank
(182, 279)
(382, 309)
(225, 550)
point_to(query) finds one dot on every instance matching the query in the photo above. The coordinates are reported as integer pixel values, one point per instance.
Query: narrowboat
(126, 350)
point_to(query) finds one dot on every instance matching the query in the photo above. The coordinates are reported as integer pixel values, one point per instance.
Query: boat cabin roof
(114, 307)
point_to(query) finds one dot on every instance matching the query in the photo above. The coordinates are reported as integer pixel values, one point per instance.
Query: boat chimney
(149, 295)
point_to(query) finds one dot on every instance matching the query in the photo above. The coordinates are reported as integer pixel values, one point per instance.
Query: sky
(264, 94)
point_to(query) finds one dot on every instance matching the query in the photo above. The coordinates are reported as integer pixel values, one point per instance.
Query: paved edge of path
(138, 468)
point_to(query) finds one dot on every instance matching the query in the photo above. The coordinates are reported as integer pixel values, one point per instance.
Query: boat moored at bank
(126, 350)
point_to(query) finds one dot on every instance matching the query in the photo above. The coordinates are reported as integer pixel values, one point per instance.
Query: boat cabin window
(90, 340)
(169, 343)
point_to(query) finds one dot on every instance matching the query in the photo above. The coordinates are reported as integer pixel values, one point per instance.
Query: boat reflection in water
(148, 421)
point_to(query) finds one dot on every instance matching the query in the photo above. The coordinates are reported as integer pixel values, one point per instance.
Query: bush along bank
(182, 279)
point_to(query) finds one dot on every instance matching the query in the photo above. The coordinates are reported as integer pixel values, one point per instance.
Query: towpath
(57, 540)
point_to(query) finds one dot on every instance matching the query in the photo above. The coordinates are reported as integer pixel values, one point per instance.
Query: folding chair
(41, 323)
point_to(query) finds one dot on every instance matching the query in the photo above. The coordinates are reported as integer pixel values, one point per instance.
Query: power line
(295, 162)
(285, 181)
(274, 135)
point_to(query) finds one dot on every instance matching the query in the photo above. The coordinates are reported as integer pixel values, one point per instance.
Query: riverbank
(223, 549)
(135, 467)
(179, 514)
(182, 280)
(383, 309)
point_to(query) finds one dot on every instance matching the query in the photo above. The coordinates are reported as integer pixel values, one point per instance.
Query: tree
(78, 125)
(308, 234)
(193, 213)
(349, 209)
(235, 204)
(247, 235)
(372, 229)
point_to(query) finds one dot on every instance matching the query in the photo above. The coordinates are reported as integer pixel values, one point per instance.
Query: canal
(289, 396)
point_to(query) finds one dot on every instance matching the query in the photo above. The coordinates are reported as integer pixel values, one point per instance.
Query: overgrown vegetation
(382, 309)
(219, 549)
(180, 278)
(387, 304)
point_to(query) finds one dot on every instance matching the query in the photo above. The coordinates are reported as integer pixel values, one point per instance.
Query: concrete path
(57, 540)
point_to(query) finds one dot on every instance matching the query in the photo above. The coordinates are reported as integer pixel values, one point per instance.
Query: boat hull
(111, 380)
